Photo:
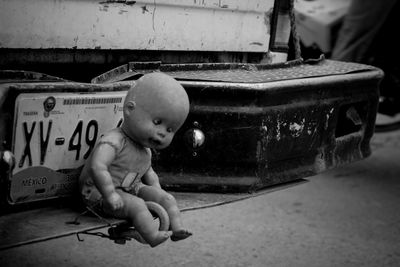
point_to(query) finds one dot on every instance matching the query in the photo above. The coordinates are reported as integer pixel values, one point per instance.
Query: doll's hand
(114, 201)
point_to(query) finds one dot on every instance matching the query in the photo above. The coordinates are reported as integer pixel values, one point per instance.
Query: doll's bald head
(159, 98)
(159, 91)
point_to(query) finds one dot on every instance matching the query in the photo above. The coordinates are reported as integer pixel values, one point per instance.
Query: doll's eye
(157, 121)
(169, 130)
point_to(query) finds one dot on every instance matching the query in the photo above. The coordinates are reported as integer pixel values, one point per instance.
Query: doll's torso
(131, 161)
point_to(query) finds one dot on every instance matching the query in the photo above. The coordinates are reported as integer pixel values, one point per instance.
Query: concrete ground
(349, 216)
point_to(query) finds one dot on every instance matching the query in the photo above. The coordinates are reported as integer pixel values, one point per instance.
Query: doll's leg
(168, 202)
(136, 210)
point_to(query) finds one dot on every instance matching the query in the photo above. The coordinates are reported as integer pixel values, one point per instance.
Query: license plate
(53, 136)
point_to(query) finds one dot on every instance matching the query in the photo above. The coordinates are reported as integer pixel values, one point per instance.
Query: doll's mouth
(155, 142)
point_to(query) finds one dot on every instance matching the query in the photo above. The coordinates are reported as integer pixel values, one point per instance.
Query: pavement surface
(348, 216)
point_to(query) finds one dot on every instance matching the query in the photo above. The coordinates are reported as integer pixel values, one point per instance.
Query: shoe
(389, 105)
(388, 117)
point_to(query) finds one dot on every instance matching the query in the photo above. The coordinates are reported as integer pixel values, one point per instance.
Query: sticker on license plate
(53, 135)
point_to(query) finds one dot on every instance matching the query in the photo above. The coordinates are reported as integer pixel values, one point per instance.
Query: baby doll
(118, 176)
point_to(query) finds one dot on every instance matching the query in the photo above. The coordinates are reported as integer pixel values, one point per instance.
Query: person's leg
(361, 24)
(136, 211)
(168, 202)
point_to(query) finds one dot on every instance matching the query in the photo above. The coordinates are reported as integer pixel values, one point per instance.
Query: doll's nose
(161, 134)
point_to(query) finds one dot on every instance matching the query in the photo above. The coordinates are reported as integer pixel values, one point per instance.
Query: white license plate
(52, 137)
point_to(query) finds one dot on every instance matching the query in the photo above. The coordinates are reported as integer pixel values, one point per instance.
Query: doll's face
(153, 126)
(152, 116)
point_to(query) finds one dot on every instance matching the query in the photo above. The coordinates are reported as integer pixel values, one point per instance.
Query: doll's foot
(180, 235)
(159, 238)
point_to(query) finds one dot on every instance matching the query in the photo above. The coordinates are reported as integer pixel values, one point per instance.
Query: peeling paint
(278, 129)
(218, 24)
(264, 128)
(76, 40)
(328, 115)
(326, 121)
(103, 8)
(125, 2)
(296, 128)
(144, 9)
(311, 128)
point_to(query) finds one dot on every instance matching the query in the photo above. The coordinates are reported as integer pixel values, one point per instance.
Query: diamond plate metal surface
(262, 73)
(234, 72)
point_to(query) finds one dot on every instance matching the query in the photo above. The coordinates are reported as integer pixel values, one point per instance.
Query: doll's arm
(102, 157)
(151, 178)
